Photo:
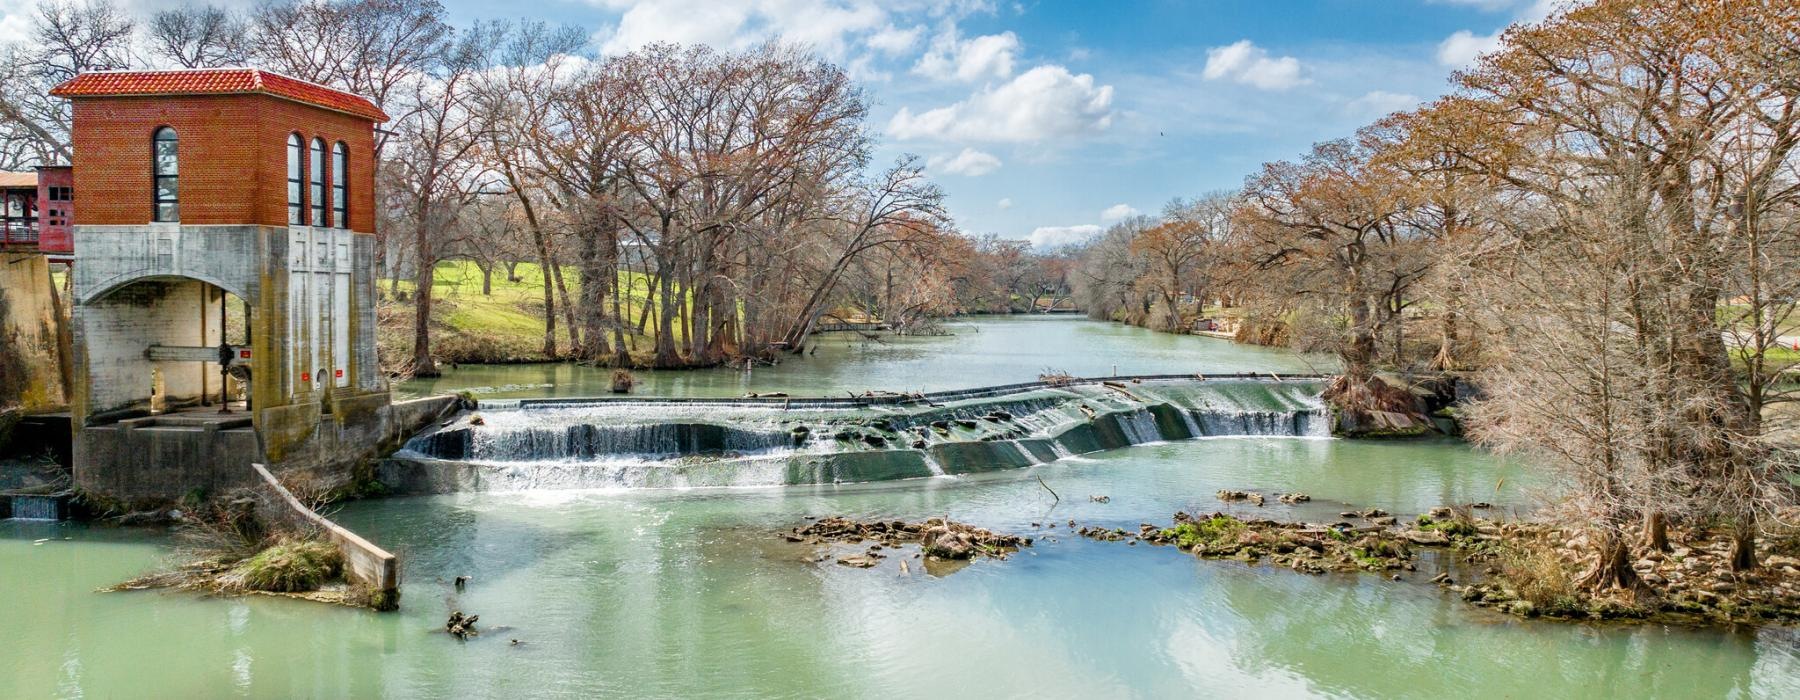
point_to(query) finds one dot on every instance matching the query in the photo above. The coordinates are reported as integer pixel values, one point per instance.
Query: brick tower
(224, 277)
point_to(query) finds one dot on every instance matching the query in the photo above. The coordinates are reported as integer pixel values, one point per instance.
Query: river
(689, 593)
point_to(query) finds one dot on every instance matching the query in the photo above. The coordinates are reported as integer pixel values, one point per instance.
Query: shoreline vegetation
(226, 549)
(1522, 568)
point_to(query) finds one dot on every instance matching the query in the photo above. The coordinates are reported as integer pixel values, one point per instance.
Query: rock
(1425, 537)
(1441, 512)
(1231, 495)
(1292, 498)
(1443, 578)
(1644, 565)
(1100, 499)
(1386, 522)
(862, 561)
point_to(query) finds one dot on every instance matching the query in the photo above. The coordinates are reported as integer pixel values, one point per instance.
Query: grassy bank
(506, 324)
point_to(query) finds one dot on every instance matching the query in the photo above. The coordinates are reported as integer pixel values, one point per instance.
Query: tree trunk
(666, 356)
(1656, 531)
(1612, 569)
(597, 255)
(568, 307)
(1743, 544)
(487, 278)
(423, 366)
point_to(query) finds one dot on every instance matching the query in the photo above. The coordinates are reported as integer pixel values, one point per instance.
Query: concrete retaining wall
(30, 364)
(364, 562)
(155, 459)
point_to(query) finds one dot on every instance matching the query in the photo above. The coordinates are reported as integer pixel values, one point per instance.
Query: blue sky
(1050, 119)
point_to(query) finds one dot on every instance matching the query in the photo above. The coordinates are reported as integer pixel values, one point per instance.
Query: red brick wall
(233, 157)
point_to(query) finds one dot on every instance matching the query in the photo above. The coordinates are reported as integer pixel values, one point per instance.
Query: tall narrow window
(165, 170)
(317, 192)
(340, 193)
(296, 154)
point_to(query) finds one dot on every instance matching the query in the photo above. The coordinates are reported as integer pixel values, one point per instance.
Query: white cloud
(973, 60)
(1046, 102)
(1462, 48)
(1051, 237)
(681, 21)
(825, 25)
(1249, 64)
(1382, 102)
(894, 41)
(1004, 204)
(969, 162)
(1118, 211)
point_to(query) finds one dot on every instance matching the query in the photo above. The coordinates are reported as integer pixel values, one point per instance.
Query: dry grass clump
(289, 566)
(1538, 575)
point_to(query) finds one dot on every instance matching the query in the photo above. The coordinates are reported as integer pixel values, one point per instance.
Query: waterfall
(931, 462)
(37, 507)
(588, 442)
(701, 443)
(1140, 427)
(1193, 426)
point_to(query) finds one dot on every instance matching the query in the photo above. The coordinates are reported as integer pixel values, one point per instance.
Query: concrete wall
(364, 562)
(158, 459)
(30, 364)
(113, 333)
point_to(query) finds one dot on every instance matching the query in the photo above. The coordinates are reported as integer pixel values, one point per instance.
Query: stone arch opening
(166, 344)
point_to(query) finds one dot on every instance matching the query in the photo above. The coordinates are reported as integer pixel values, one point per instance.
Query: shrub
(1202, 534)
(1539, 576)
(291, 566)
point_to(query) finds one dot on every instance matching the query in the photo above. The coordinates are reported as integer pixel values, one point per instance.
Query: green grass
(508, 323)
(292, 567)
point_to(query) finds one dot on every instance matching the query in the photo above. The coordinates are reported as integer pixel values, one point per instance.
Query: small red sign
(338, 374)
(306, 376)
(244, 353)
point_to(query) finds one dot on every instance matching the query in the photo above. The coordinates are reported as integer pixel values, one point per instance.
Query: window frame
(296, 182)
(340, 185)
(315, 178)
(157, 176)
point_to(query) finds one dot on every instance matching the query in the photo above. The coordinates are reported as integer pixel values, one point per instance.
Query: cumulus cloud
(1046, 102)
(1382, 102)
(1004, 204)
(1052, 237)
(1246, 63)
(1462, 48)
(969, 162)
(1117, 212)
(972, 60)
(826, 25)
(895, 41)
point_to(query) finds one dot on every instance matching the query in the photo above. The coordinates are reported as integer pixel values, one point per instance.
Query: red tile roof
(216, 81)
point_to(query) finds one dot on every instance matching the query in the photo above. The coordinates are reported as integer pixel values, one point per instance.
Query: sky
(1051, 119)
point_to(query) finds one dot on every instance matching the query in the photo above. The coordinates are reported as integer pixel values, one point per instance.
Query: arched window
(317, 192)
(296, 154)
(340, 193)
(165, 170)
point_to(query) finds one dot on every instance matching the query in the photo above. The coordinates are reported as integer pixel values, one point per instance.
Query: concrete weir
(684, 443)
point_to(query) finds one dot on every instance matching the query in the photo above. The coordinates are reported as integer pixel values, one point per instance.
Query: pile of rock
(937, 538)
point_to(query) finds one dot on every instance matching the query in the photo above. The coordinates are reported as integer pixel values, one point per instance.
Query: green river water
(689, 593)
